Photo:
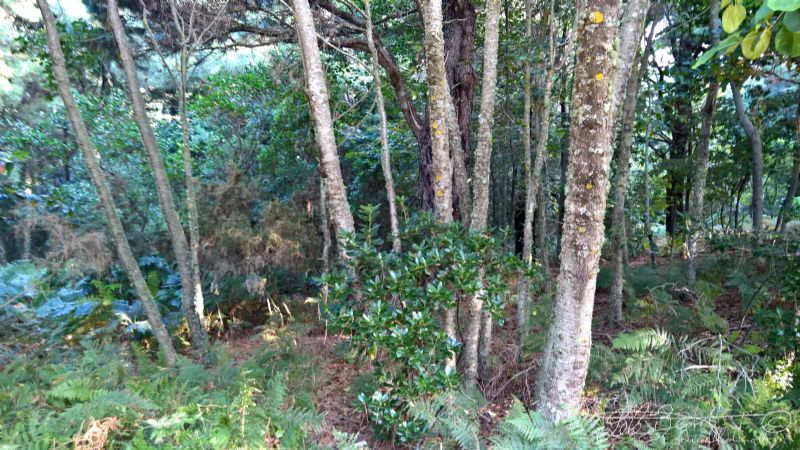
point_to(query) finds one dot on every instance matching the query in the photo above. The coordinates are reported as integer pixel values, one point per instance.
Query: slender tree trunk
(179, 245)
(317, 93)
(618, 236)
(28, 210)
(647, 213)
(527, 226)
(101, 185)
(481, 177)
(533, 176)
(754, 135)
(541, 233)
(461, 192)
(386, 165)
(793, 180)
(191, 190)
(703, 146)
(566, 358)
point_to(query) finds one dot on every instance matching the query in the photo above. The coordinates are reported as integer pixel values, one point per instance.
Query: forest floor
(333, 379)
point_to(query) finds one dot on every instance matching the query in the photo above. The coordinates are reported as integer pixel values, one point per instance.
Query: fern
(529, 430)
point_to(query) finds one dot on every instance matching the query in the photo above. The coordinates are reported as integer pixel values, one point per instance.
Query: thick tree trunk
(754, 135)
(317, 93)
(481, 177)
(437, 99)
(178, 238)
(703, 146)
(793, 180)
(101, 185)
(459, 43)
(386, 165)
(438, 96)
(566, 359)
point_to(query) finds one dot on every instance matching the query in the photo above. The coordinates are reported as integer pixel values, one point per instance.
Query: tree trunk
(793, 180)
(703, 145)
(438, 96)
(628, 74)
(101, 185)
(178, 238)
(191, 190)
(386, 165)
(533, 179)
(754, 135)
(317, 93)
(541, 233)
(563, 371)
(618, 236)
(648, 226)
(481, 176)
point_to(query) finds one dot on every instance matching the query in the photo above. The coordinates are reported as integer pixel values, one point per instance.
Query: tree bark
(191, 189)
(317, 93)
(647, 221)
(566, 358)
(754, 135)
(793, 180)
(703, 149)
(178, 238)
(101, 185)
(636, 12)
(438, 96)
(533, 176)
(481, 177)
(386, 165)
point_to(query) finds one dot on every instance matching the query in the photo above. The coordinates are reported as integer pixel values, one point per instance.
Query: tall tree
(566, 358)
(317, 92)
(794, 177)
(438, 96)
(180, 246)
(100, 184)
(481, 176)
(630, 36)
(703, 145)
(386, 165)
(754, 135)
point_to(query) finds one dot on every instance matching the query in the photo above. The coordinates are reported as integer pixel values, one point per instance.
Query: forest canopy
(346, 224)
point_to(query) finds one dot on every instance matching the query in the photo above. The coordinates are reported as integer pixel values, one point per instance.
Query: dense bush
(390, 304)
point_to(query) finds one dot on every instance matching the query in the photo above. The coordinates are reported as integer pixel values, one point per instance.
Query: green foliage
(390, 303)
(194, 406)
(693, 392)
(524, 429)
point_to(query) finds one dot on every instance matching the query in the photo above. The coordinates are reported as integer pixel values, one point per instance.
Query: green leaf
(732, 17)
(731, 42)
(787, 43)
(783, 5)
(792, 21)
(764, 12)
(756, 43)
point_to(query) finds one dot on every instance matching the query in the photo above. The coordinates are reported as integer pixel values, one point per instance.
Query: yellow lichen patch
(435, 125)
(439, 194)
(598, 76)
(438, 132)
(589, 185)
(438, 178)
(581, 229)
(596, 17)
